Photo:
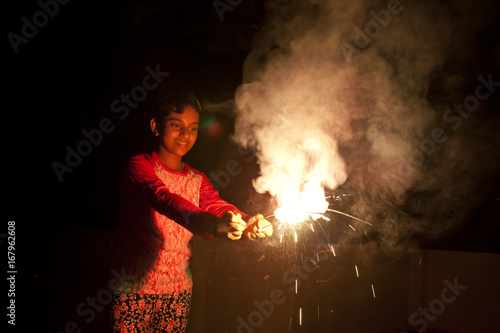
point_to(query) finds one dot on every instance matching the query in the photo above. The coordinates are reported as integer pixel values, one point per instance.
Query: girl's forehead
(189, 115)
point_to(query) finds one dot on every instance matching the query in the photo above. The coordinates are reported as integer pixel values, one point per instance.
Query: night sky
(64, 79)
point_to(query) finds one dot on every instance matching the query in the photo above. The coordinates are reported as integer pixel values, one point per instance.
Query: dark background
(64, 80)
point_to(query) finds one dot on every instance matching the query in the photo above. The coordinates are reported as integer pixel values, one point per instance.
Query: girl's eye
(194, 129)
(175, 125)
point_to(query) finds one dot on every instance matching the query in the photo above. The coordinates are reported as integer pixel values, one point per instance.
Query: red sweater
(161, 209)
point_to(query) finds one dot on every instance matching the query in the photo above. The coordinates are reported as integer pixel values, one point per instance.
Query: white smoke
(336, 93)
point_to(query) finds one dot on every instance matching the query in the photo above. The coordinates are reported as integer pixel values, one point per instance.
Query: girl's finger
(238, 226)
(233, 237)
(236, 218)
(264, 226)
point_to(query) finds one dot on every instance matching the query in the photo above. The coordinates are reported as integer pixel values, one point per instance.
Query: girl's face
(180, 132)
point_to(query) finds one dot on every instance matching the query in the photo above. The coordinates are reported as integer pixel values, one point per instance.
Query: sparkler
(333, 250)
(290, 220)
(310, 210)
(348, 215)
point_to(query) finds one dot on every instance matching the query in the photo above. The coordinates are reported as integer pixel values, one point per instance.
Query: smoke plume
(350, 95)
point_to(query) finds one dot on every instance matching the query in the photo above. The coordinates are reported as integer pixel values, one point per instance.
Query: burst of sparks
(348, 215)
(297, 207)
(333, 250)
(308, 209)
(304, 209)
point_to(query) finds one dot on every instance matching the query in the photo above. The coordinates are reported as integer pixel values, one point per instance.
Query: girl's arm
(257, 226)
(140, 171)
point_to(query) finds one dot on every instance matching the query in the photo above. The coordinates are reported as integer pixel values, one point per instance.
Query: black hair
(172, 102)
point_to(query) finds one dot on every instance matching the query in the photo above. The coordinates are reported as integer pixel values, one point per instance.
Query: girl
(165, 202)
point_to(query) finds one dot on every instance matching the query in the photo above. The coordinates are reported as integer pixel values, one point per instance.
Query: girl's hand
(232, 226)
(258, 227)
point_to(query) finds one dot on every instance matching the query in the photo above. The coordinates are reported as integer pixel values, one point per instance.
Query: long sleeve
(160, 211)
(141, 172)
(210, 200)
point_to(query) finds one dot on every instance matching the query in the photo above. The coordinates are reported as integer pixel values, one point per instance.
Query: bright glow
(333, 250)
(296, 206)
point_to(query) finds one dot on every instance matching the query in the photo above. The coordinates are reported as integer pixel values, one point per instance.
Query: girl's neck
(171, 161)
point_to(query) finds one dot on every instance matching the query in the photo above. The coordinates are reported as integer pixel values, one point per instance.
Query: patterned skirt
(132, 312)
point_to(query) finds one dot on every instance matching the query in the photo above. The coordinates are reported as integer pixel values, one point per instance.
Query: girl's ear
(152, 125)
